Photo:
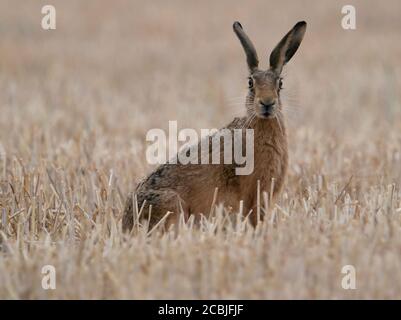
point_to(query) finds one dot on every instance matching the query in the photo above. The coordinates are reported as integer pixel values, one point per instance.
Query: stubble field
(75, 106)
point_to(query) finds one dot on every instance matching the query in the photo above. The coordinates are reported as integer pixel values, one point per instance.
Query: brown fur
(190, 188)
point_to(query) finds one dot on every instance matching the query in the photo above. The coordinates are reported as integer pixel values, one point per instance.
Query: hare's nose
(269, 104)
(266, 108)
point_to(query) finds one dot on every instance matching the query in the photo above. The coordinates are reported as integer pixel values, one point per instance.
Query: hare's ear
(251, 56)
(287, 47)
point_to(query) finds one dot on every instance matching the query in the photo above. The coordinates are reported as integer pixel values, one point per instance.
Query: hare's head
(265, 85)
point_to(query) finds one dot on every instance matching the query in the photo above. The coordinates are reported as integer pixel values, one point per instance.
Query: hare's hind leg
(128, 215)
(156, 204)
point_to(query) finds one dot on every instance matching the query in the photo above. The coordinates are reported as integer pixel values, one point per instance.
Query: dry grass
(75, 105)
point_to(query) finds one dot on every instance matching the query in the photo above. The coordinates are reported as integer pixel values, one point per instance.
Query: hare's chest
(271, 163)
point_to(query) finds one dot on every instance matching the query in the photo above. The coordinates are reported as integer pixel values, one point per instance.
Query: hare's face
(264, 93)
(264, 86)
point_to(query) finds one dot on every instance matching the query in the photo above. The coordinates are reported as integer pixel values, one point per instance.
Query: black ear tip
(300, 24)
(237, 25)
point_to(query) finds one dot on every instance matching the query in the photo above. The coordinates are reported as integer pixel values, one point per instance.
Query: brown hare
(190, 189)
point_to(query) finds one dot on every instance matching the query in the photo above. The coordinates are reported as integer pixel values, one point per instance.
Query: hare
(190, 189)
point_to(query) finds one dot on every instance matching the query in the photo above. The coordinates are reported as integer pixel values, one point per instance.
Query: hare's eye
(250, 83)
(280, 84)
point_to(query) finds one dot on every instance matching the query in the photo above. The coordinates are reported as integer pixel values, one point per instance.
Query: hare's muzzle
(266, 108)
